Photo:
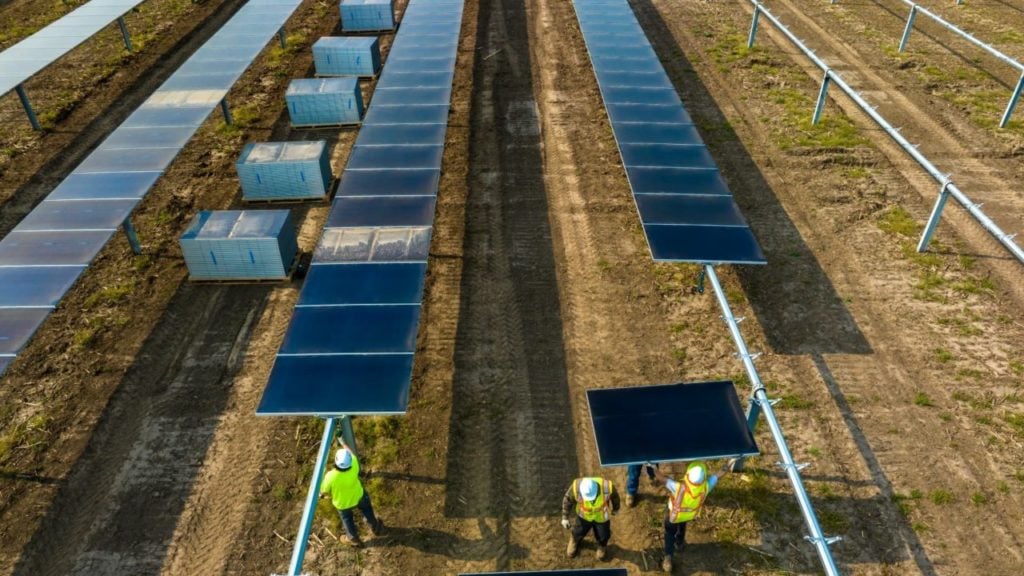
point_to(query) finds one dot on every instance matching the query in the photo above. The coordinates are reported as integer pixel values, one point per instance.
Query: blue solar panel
(389, 182)
(363, 284)
(127, 160)
(148, 138)
(104, 186)
(338, 385)
(77, 215)
(51, 248)
(36, 286)
(17, 325)
(168, 116)
(382, 211)
(356, 322)
(5, 361)
(686, 208)
(669, 423)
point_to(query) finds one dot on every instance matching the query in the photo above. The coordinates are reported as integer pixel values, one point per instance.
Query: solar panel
(686, 207)
(44, 255)
(26, 58)
(669, 423)
(349, 347)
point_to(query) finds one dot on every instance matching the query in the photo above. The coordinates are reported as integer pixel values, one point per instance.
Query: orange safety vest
(600, 509)
(687, 499)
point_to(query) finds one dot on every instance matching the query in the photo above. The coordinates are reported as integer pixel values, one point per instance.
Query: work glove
(566, 524)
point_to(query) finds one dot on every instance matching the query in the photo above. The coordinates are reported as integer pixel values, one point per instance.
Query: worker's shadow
(430, 541)
(699, 558)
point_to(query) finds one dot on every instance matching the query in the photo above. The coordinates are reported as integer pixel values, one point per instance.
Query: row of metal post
(947, 188)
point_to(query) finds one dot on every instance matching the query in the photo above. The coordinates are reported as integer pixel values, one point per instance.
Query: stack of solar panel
(349, 348)
(367, 15)
(324, 101)
(284, 170)
(687, 209)
(240, 245)
(347, 56)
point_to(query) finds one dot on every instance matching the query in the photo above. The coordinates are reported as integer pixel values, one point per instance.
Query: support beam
(933, 220)
(822, 96)
(28, 107)
(282, 38)
(227, 112)
(124, 33)
(302, 539)
(1012, 103)
(910, 26)
(753, 27)
(133, 238)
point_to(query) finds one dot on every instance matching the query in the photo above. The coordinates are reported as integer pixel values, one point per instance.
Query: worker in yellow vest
(347, 493)
(594, 501)
(684, 503)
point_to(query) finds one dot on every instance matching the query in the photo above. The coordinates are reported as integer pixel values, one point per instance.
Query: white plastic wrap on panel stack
(285, 170)
(347, 56)
(324, 101)
(367, 15)
(240, 245)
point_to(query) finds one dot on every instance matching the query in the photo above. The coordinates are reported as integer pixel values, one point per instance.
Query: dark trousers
(675, 535)
(348, 518)
(602, 530)
(633, 479)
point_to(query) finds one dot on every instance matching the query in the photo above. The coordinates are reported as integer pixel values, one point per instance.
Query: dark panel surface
(669, 423)
(706, 244)
(95, 186)
(389, 182)
(363, 284)
(78, 215)
(352, 330)
(688, 209)
(382, 211)
(646, 180)
(662, 113)
(384, 134)
(645, 133)
(412, 114)
(674, 155)
(51, 248)
(35, 285)
(338, 385)
(17, 325)
(376, 157)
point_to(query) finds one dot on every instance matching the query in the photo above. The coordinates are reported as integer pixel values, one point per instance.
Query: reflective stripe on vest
(687, 500)
(600, 509)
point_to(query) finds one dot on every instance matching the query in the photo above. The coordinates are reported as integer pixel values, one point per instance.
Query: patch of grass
(1017, 367)
(83, 337)
(833, 522)
(110, 295)
(816, 453)
(941, 497)
(945, 416)
(281, 492)
(1016, 421)
(794, 402)
(728, 49)
(969, 373)
(31, 434)
(916, 494)
(1002, 487)
(922, 399)
(898, 221)
(679, 354)
(1009, 37)
(1018, 475)
(919, 527)
(902, 502)
(979, 498)
(603, 265)
(857, 173)
(943, 355)
(973, 285)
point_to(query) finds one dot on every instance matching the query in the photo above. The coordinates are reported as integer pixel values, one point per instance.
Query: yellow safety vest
(344, 486)
(686, 500)
(600, 509)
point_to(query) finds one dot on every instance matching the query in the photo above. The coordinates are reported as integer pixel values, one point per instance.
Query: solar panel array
(349, 347)
(43, 256)
(669, 423)
(26, 58)
(687, 210)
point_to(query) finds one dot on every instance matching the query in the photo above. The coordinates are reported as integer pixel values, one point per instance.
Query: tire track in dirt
(984, 180)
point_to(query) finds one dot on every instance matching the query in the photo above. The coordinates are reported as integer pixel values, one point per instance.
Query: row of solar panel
(43, 256)
(686, 208)
(26, 58)
(349, 348)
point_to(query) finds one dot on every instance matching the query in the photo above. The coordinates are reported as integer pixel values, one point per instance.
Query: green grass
(110, 295)
(1002, 487)
(979, 498)
(898, 221)
(943, 355)
(794, 402)
(1016, 422)
(941, 497)
(922, 399)
(1017, 367)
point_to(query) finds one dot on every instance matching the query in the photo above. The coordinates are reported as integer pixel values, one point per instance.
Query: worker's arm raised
(659, 476)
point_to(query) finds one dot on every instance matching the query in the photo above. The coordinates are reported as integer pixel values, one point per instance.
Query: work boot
(353, 542)
(666, 564)
(378, 528)
(602, 551)
(630, 500)
(571, 547)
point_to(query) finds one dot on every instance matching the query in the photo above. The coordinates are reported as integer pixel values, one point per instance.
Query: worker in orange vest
(594, 501)
(684, 503)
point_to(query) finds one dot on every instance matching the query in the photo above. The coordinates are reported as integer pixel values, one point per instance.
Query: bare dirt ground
(899, 374)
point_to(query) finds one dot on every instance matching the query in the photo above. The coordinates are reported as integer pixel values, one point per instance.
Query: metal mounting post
(933, 220)
(1012, 103)
(282, 38)
(133, 238)
(822, 96)
(347, 434)
(124, 33)
(302, 540)
(227, 113)
(28, 107)
(910, 26)
(753, 26)
(699, 288)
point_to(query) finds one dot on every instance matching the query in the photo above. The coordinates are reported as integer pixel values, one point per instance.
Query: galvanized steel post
(227, 112)
(760, 395)
(753, 27)
(28, 107)
(822, 95)
(1013, 102)
(133, 238)
(910, 26)
(124, 33)
(347, 434)
(282, 38)
(933, 220)
(306, 524)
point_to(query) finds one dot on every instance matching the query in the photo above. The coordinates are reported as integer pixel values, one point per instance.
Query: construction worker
(595, 502)
(347, 494)
(684, 503)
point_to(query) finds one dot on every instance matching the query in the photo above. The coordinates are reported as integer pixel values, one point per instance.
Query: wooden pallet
(332, 188)
(233, 281)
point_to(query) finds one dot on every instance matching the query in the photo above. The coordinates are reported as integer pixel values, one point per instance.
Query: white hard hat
(588, 489)
(343, 459)
(695, 474)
